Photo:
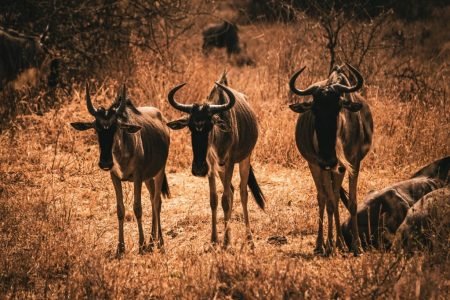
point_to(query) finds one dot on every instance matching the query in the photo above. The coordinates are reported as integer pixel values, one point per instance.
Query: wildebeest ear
(81, 126)
(301, 107)
(178, 124)
(130, 128)
(351, 106)
(221, 124)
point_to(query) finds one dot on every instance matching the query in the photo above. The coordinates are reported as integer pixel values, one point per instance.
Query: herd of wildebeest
(333, 134)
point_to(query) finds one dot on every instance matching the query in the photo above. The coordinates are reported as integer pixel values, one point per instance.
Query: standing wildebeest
(383, 211)
(20, 52)
(134, 144)
(333, 133)
(223, 133)
(224, 35)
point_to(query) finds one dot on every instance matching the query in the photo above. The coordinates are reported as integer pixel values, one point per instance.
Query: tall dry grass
(57, 210)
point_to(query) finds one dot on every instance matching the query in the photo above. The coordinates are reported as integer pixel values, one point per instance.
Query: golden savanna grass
(57, 209)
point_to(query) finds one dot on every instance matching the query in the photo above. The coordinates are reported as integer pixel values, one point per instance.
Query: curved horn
(90, 107)
(187, 108)
(216, 108)
(122, 98)
(296, 91)
(350, 89)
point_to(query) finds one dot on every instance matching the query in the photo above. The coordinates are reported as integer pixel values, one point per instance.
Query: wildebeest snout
(106, 165)
(200, 169)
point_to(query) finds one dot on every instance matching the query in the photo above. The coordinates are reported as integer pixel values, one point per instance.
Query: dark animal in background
(333, 133)
(223, 132)
(19, 52)
(383, 211)
(427, 224)
(134, 145)
(224, 35)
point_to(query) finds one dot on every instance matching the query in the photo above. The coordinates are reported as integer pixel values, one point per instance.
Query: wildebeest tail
(344, 196)
(254, 188)
(165, 187)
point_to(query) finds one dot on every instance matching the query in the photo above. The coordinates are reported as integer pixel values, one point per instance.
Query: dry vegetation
(57, 208)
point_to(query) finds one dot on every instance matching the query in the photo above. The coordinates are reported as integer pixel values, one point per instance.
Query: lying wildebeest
(134, 144)
(223, 133)
(439, 169)
(383, 211)
(427, 224)
(223, 35)
(19, 52)
(333, 133)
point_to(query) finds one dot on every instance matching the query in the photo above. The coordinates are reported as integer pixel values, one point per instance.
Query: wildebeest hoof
(319, 250)
(357, 250)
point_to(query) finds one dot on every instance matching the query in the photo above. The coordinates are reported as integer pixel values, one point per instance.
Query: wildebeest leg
(321, 199)
(120, 212)
(227, 201)
(331, 203)
(137, 208)
(353, 182)
(213, 203)
(156, 207)
(244, 169)
(150, 184)
(337, 183)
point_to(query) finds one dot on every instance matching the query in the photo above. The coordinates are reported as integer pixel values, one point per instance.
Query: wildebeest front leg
(337, 183)
(137, 208)
(244, 169)
(331, 203)
(120, 213)
(227, 201)
(321, 199)
(353, 185)
(213, 203)
(150, 184)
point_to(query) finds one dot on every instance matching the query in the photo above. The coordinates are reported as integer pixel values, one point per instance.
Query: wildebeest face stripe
(326, 127)
(105, 141)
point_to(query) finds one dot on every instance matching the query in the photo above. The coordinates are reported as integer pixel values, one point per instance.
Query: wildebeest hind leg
(120, 213)
(137, 208)
(156, 207)
(353, 181)
(150, 184)
(244, 170)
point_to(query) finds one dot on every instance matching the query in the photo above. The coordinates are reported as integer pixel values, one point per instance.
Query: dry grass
(57, 209)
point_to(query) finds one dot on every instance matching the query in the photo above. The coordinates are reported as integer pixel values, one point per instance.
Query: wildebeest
(333, 133)
(383, 211)
(223, 133)
(427, 224)
(19, 52)
(223, 35)
(134, 144)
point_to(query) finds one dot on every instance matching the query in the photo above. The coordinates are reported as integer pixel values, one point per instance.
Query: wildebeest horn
(216, 108)
(350, 89)
(122, 98)
(296, 91)
(181, 107)
(90, 107)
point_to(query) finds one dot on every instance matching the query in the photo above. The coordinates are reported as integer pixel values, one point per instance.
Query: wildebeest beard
(200, 149)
